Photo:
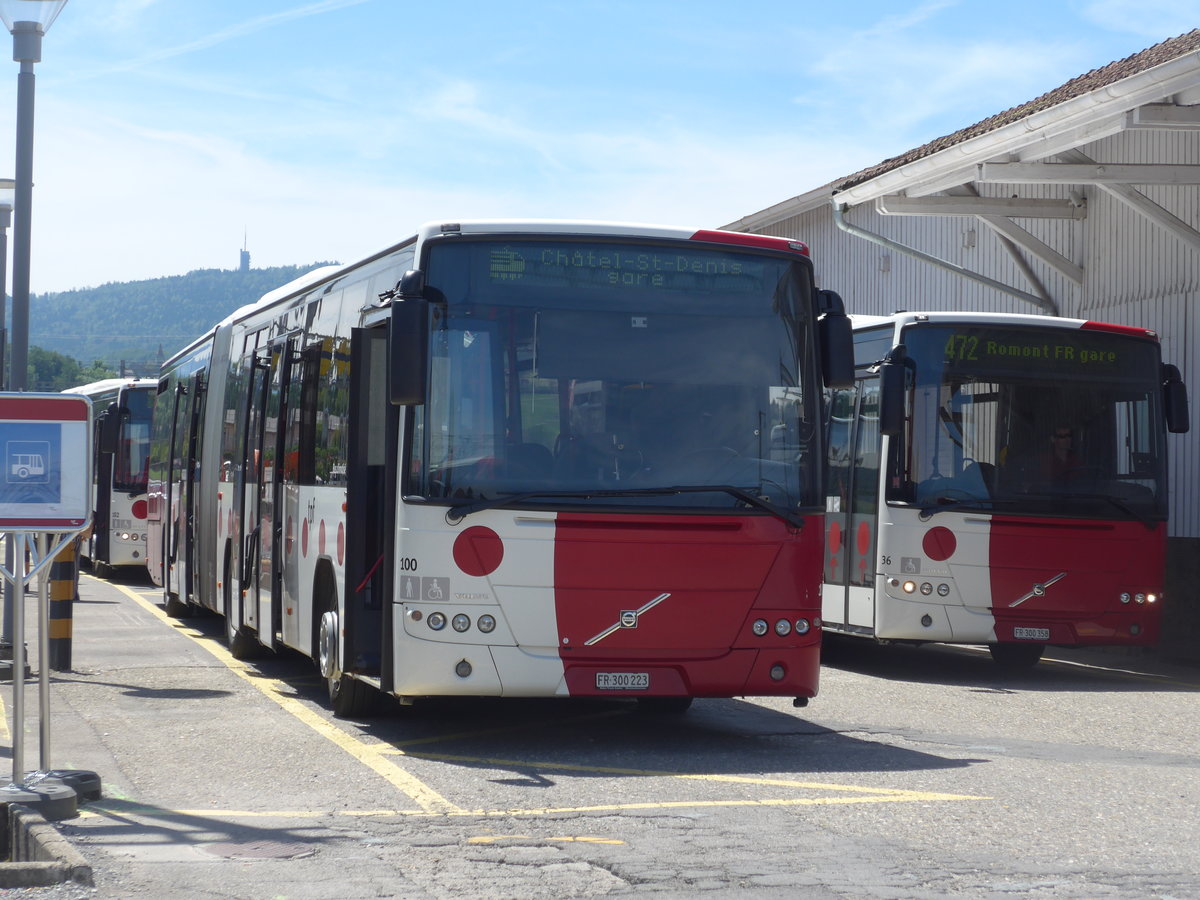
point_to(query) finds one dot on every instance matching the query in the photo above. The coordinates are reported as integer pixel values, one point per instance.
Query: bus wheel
(176, 607)
(664, 706)
(348, 697)
(1016, 657)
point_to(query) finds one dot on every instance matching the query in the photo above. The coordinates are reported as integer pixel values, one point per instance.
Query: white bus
(121, 447)
(513, 459)
(999, 479)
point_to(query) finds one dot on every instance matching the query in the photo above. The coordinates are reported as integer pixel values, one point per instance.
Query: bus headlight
(802, 626)
(461, 622)
(1152, 598)
(1139, 599)
(487, 624)
(908, 587)
(437, 621)
(1125, 596)
(943, 590)
(783, 628)
(760, 627)
(926, 588)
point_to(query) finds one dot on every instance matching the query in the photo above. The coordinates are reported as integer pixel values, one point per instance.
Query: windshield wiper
(458, 513)
(928, 510)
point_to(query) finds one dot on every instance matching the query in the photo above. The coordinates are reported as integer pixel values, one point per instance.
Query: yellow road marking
(496, 838)
(425, 797)
(433, 804)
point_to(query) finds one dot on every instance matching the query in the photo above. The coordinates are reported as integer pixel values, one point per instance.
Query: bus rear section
(121, 455)
(1018, 494)
(555, 459)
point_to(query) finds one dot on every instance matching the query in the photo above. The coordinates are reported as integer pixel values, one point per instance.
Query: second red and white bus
(513, 459)
(121, 455)
(1001, 480)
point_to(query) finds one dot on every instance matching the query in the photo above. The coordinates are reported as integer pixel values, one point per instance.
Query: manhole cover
(260, 850)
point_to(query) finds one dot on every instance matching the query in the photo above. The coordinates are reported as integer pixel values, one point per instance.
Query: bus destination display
(637, 267)
(1014, 349)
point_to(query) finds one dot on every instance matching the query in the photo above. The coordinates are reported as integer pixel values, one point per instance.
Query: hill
(143, 322)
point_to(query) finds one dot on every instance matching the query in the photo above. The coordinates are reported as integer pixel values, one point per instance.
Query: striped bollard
(64, 590)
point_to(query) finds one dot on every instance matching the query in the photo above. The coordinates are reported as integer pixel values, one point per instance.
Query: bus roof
(109, 384)
(906, 317)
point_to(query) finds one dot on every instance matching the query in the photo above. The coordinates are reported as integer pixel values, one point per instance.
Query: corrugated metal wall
(1136, 273)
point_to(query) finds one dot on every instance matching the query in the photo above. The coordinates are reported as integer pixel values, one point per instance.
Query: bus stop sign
(45, 462)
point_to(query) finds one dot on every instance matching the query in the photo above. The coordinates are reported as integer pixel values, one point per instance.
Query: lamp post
(28, 21)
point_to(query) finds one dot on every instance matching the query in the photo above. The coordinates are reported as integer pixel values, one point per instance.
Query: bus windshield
(577, 366)
(1032, 420)
(132, 461)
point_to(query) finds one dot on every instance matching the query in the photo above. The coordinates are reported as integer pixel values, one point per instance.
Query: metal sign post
(45, 502)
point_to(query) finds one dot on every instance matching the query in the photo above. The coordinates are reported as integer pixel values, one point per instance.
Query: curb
(39, 854)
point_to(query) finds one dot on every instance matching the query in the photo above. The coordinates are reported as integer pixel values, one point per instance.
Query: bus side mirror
(408, 341)
(1175, 400)
(893, 377)
(109, 434)
(836, 338)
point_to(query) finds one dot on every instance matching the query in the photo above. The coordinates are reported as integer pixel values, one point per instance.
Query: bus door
(102, 492)
(252, 467)
(852, 507)
(370, 509)
(260, 462)
(181, 489)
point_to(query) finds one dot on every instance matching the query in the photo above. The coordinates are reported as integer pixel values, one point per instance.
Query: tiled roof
(1084, 84)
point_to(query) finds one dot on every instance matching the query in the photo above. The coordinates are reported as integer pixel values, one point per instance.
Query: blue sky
(328, 129)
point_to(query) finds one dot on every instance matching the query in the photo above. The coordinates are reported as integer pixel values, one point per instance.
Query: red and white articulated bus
(517, 458)
(121, 449)
(999, 479)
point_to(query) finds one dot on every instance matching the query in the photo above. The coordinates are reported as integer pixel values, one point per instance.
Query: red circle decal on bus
(862, 538)
(321, 539)
(341, 543)
(304, 539)
(138, 509)
(478, 551)
(939, 543)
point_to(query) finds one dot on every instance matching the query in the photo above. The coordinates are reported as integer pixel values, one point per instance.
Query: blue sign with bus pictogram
(46, 460)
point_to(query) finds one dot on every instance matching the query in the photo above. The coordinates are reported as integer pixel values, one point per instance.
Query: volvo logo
(629, 619)
(1038, 590)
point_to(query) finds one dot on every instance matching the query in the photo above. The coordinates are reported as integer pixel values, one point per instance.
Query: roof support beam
(994, 213)
(1095, 173)
(1143, 205)
(1041, 300)
(1008, 207)
(1016, 234)
(1164, 117)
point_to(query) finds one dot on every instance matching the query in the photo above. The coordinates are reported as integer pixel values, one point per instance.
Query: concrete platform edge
(39, 854)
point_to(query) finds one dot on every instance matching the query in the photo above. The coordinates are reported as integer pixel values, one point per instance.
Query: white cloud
(1154, 19)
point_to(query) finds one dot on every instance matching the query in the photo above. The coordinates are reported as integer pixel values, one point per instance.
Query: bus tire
(242, 644)
(175, 607)
(664, 706)
(1016, 657)
(348, 697)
